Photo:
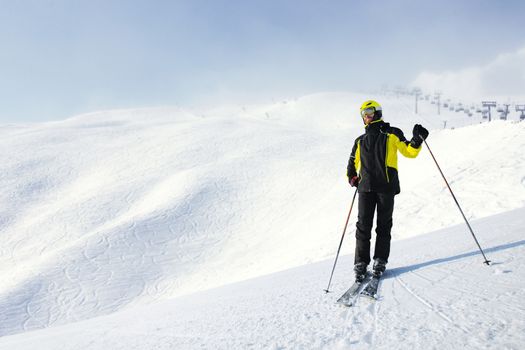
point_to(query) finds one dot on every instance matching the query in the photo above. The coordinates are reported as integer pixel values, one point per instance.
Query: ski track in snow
(447, 299)
(114, 210)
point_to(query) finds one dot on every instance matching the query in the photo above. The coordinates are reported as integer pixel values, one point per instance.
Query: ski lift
(521, 109)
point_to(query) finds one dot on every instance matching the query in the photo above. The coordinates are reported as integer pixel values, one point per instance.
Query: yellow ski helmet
(370, 107)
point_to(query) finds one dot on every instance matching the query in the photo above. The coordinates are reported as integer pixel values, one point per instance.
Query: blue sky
(60, 58)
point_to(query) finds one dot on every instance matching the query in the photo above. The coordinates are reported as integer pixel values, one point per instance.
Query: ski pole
(327, 290)
(457, 203)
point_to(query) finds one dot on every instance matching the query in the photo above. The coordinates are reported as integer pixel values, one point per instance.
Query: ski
(370, 291)
(348, 298)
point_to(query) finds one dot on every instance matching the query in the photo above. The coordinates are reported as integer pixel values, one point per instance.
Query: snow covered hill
(437, 295)
(118, 209)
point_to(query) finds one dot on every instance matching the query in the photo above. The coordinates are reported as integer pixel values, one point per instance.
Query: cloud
(503, 77)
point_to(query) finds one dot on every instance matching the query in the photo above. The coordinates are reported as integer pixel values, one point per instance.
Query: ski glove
(354, 181)
(419, 133)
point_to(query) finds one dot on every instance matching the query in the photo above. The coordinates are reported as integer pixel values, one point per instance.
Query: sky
(60, 58)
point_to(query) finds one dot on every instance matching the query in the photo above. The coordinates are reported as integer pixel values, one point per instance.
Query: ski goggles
(368, 112)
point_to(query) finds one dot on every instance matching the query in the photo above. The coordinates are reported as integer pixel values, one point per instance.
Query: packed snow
(442, 297)
(217, 228)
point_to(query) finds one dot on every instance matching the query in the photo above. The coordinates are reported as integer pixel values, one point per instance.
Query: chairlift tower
(521, 109)
(504, 112)
(489, 104)
(438, 98)
(417, 93)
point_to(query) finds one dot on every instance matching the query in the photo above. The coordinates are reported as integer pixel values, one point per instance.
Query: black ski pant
(368, 202)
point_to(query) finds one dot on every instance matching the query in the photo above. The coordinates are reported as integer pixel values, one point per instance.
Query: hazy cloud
(504, 76)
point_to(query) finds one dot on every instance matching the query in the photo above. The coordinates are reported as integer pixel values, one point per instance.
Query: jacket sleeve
(353, 162)
(403, 145)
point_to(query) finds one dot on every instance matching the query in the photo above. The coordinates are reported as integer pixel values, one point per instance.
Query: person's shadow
(404, 269)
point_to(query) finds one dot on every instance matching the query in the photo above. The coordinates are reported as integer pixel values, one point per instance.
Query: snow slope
(437, 295)
(122, 208)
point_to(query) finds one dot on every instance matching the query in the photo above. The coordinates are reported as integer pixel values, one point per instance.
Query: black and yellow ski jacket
(374, 157)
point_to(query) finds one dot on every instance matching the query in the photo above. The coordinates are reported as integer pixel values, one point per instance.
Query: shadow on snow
(401, 270)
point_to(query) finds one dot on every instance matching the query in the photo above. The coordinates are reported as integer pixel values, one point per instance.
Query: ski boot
(379, 267)
(360, 271)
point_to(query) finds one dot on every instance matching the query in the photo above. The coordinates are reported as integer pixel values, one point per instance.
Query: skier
(372, 168)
